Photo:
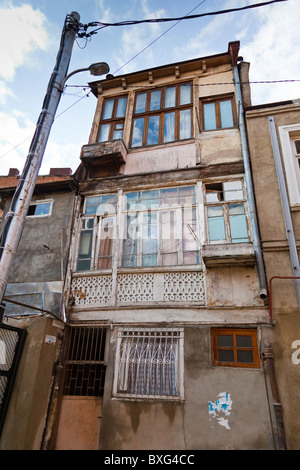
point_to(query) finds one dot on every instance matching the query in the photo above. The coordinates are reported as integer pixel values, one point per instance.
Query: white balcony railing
(126, 288)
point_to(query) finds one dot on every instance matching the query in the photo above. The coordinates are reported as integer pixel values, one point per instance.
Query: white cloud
(273, 53)
(16, 131)
(22, 31)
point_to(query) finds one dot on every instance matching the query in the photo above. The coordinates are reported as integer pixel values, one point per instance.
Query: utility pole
(15, 218)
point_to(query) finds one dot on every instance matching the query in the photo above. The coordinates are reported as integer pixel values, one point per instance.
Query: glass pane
(226, 356)
(233, 190)
(170, 97)
(169, 197)
(104, 133)
(129, 257)
(238, 227)
(209, 116)
(42, 209)
(170, 259)
(155, 100)
(140, 105)
(187, 195)
(215, 211)
(225, 340)
(85, 244)
(236, 209)
(93, 201)
(149, 199)
(83, 265)
(106, 243)
(297, 145)
(226, 114)
(185, 124)
(118, 132)
(216, 229)
(117, 135)
(149, 240)
(245, 356)
(188, 228)
(121, 109)
(108, 109)
(190, 257)
(169, 127)
(185, 94)
(153, 130)
(168, 233)
(244, 341)
(131, 200)
(137, 135)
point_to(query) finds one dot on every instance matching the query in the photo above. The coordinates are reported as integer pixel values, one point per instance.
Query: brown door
(81, 404)
(79, 423)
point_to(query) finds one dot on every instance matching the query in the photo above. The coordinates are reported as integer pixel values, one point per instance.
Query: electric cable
(165, 32)
(161, 20)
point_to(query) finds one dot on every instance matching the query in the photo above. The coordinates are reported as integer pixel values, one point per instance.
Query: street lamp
(99, 68)
(15, 217)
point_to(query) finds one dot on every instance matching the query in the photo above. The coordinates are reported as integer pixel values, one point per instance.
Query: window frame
(113, 120)
(37, 203)
(234, 332)
(178, 211)
(217, 99)
(98, 222)
(123, 332)
(225, 209)
(161, 112)
(288, 134)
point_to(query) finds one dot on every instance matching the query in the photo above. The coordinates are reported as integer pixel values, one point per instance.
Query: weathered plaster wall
(198, 422)
(27, 412)
(33, 262)
(285, 309)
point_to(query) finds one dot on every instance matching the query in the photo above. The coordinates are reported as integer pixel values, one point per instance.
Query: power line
(165, 32)
(161, 20)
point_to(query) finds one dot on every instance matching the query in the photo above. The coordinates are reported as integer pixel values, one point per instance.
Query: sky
(30, 36)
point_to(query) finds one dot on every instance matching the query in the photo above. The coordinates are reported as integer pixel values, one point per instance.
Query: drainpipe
(250, 190)
(285, 206)
(268, 360)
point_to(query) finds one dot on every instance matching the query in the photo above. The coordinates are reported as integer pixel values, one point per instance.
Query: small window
(235, 348)
(112, 119)
(149, 363)
(225, 210)
(218, 113)
(39, 209)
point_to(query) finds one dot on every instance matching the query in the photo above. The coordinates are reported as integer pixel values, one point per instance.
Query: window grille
(84, 367)
(149, 363)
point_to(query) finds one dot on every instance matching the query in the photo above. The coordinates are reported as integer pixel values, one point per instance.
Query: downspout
(249, 186)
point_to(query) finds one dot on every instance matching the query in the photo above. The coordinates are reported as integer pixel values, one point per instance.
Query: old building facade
(168, 320)
(274, 143)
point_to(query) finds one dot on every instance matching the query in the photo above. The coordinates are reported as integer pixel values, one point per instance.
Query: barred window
(149, 363)
(84, 367)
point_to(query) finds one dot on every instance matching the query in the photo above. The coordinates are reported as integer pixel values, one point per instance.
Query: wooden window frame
(161, 112)
(217, 99)
(114, 120)
(224, 204)
(234, 332)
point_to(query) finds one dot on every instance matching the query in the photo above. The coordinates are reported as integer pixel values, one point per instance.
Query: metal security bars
(11, 343)
(84, 367)
(149, 363)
